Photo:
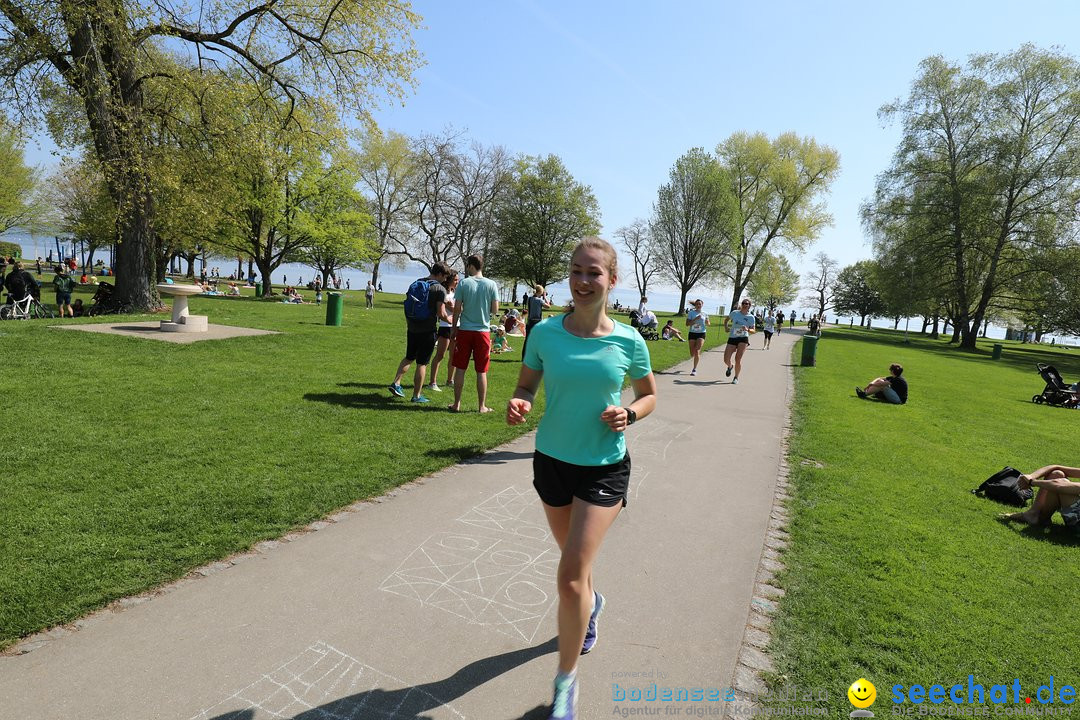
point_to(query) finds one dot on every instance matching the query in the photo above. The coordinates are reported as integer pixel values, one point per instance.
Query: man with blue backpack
(425, 305)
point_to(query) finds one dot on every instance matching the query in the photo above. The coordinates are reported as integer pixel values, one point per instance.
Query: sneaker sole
(596, 625)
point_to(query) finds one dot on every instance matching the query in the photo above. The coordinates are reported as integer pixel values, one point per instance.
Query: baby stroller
(100, 299)
(648, 333)
(1057, 391)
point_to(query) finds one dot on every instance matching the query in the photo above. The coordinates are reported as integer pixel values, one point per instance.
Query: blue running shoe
(564, 706)
(594, 620)
(396, 390)
(421, 399)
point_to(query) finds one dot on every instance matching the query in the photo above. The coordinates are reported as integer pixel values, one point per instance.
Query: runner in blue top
(740, 324)
(696, 320)
(581, 469)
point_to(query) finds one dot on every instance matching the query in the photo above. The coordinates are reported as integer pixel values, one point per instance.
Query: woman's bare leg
(581, 527)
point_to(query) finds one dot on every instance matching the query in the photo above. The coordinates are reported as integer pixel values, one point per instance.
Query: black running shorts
(558, 483)
(697, 336)
(737, 340)
(419, 346)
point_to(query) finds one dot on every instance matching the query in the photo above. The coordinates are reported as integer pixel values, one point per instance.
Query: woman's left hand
(615, 417)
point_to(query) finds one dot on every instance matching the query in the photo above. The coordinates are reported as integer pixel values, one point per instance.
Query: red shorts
(475, 344)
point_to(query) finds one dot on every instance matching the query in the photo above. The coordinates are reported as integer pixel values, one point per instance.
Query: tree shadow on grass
(415, 702)
(1015, 356)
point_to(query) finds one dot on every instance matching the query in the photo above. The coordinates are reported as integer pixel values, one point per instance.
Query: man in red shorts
(475, 301)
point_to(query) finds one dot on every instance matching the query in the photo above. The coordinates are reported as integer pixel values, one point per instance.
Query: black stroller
(648, 333)
(1057, 391)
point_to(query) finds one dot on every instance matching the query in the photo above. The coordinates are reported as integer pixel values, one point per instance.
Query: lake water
(397, 279)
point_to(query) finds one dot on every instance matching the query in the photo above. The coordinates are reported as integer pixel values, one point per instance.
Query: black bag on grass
(1003, 486)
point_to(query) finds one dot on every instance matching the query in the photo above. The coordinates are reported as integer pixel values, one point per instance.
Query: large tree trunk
(103, 72)
(375, 273)
(265, 270)
(682, 302)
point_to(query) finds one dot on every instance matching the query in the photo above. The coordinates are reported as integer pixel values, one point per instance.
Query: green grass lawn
(127, 462)
(896, 572)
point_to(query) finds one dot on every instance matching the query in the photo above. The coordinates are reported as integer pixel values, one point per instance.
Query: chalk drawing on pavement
(323, 683)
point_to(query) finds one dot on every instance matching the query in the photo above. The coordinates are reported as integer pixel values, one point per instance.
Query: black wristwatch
(631, 416)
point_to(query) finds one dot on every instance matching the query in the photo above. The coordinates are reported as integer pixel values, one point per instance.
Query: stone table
(182, 321)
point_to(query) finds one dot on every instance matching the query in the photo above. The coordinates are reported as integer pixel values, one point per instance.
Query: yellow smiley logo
(862, 693)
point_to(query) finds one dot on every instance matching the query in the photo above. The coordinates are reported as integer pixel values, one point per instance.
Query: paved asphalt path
(439, 601)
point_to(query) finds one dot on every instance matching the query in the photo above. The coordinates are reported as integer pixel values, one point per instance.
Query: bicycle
(26, 309)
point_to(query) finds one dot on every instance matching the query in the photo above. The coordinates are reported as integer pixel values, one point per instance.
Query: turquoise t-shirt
(582, 376)
(476, 295)
(740, 321)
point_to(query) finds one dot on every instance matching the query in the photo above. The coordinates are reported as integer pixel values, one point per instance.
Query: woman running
(581, 469)
(444, 342)
(770, 325)
(740, 324)
(696, 320)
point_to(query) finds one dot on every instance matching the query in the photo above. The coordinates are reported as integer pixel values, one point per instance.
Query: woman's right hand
(516, 410)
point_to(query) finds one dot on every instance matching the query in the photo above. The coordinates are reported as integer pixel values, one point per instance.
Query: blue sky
(620, 89)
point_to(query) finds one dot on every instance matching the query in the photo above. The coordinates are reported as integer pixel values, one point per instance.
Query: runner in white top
(741, 325)
(697, 321)
(770, 325)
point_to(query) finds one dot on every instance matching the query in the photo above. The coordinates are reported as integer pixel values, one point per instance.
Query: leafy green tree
(335, 221)
(692, 222)
(778, 187)
(388, 170)
(109, 53)
(774, 283)
(84, 209)
(545, 212)
(18, 182)
(855, 291)
(989, 168)
(276, 169)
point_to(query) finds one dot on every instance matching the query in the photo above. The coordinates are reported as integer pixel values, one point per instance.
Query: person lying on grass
(1056, 494)
(891, 389)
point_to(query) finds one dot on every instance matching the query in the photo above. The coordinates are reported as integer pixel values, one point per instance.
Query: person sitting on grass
(670, 332)
(892, 389)
(1056, 494)
(499, 343)
(77, 308)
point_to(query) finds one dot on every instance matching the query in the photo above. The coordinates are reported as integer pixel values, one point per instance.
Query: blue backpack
(417, 300)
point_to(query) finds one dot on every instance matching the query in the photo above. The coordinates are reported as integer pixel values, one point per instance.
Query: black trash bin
(809, 350)
(996, 355)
